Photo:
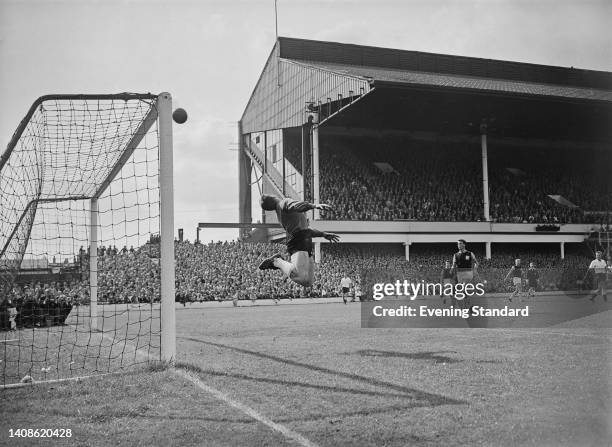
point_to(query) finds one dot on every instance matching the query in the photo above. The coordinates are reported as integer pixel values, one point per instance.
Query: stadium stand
(435, 181)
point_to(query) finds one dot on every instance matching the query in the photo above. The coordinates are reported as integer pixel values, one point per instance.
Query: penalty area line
(285, 431)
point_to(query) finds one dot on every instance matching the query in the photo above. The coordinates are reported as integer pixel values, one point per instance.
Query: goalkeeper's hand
(324, 207)
(331, 237)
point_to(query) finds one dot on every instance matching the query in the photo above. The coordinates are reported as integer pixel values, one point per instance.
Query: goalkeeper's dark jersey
(291, 215)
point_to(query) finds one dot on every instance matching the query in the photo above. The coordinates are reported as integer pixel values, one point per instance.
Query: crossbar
(24, 122)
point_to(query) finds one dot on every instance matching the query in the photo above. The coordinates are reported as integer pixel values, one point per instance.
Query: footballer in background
(599, 267)
(464, 267)
(516, 271)
(446, 277)
(533, 278)
(345, 288)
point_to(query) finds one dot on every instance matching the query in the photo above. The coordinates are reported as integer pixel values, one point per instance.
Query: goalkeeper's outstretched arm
(295, 206)
(331, 237)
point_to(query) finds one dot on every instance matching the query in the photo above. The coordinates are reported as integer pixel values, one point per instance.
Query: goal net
(86, 244)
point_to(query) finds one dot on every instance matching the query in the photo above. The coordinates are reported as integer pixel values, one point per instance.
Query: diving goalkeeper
(292, 217)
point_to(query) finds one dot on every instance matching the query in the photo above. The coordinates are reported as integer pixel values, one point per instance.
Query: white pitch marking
(287, 432)
(6, 341)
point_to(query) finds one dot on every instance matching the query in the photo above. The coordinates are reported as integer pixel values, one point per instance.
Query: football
(179, 116)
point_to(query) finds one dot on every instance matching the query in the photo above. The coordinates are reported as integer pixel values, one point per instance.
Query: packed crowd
(46, 304)
(228, 270)
(427, 261)
(129, 277)
(126, 276)
(411, 189)
(520, 194)
(389, 179)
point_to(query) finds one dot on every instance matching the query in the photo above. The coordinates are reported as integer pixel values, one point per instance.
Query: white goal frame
(162, 113)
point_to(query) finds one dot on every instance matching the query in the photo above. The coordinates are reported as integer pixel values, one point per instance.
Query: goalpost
(86, 237)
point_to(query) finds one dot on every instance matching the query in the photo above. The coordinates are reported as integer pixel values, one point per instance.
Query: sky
(209, 55)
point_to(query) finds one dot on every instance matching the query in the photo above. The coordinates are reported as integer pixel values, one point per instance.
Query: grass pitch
(311, 369)
(128, 336)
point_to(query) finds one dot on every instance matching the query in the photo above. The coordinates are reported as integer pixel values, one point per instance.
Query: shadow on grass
(157, 366)
(146, 412)
(437, 357)
(338, 389)
(374, 410)
(418, 398)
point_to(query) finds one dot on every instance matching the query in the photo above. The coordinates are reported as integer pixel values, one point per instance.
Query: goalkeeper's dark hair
(268, 202)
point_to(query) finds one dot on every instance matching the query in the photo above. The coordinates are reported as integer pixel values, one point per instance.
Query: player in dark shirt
(532, 280)
(464, 266)
(291, 215)
(464, 263)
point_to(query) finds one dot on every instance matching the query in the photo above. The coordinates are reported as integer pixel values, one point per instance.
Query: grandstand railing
(282, 188)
